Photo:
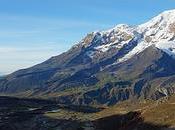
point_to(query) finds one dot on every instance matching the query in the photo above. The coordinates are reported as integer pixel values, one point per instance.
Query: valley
(35, 114)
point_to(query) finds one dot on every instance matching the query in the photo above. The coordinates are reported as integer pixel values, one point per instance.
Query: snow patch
(168, 47)
(90, 54)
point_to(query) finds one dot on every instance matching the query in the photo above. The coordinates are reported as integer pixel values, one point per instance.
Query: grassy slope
(157, 112)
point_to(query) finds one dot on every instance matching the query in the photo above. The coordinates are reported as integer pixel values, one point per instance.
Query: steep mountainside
(125, 62)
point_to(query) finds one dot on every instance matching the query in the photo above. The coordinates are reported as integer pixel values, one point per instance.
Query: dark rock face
(135, 78)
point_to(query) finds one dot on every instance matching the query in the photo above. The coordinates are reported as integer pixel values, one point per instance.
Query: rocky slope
(125, 62)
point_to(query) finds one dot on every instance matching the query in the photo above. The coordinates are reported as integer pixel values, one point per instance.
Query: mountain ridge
(106, 67)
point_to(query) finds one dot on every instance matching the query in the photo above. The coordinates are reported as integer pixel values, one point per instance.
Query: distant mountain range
(106, 67)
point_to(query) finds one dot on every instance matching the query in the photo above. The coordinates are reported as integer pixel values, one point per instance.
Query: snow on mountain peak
(102, 41)
(163, 23)
(168, 13)
(158, 31)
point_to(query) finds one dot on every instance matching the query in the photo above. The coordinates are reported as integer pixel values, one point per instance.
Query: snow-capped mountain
(159, 31)
(106, 67)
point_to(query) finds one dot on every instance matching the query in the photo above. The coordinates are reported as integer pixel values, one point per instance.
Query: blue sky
(31, 31)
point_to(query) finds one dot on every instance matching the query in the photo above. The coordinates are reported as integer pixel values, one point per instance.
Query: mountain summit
(158, 31)
(105, 67)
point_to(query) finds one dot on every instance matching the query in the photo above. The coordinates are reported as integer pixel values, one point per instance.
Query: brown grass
(157, 112)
